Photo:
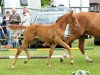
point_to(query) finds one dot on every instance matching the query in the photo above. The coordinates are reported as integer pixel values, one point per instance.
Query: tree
(45, 2)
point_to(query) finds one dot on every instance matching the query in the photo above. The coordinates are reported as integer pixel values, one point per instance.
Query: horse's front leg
(66, 46)
(50, 53)
(81, 47)
(65, 54)
(68, 40)
(16, 57)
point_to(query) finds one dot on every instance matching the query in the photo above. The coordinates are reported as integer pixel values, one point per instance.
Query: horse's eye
(73, 18)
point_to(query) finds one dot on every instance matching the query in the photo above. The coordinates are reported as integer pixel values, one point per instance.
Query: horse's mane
(60, 18)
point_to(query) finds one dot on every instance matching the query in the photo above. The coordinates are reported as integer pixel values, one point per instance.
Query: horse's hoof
(49, 66)
(89, 60)
(13, 67)
(25, 62)
(61, 60)
(47, 63)
(72, 63)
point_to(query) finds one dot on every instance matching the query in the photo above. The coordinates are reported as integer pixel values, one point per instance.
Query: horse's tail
(16, 27)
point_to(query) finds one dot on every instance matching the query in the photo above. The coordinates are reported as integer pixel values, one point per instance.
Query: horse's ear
(72, 11)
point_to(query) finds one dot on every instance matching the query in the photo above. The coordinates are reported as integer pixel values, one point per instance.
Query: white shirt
(26, 19)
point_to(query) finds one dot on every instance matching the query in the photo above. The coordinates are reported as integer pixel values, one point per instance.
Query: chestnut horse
(52, 34)
(89, 24)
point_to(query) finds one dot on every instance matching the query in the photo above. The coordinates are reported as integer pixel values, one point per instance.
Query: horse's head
(68, 18)
(71, 19)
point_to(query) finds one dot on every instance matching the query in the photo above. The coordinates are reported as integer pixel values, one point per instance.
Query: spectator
(25, 20)
(5, 22)
(26, 17)
(2, 36)
(15, 19)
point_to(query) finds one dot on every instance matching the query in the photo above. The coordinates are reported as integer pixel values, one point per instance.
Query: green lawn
(38, 66)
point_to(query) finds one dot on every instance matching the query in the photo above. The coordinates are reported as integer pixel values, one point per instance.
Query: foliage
(45, 2)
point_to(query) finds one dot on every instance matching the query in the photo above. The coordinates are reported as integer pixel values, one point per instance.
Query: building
(76, 5)
(94, 6)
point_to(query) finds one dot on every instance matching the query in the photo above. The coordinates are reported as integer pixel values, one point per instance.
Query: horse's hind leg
(50, 54)
(28, 56)
(33, 40)
(81, 47)
(16, 57)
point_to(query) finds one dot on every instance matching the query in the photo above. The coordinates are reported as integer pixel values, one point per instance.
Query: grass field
(38, 66)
